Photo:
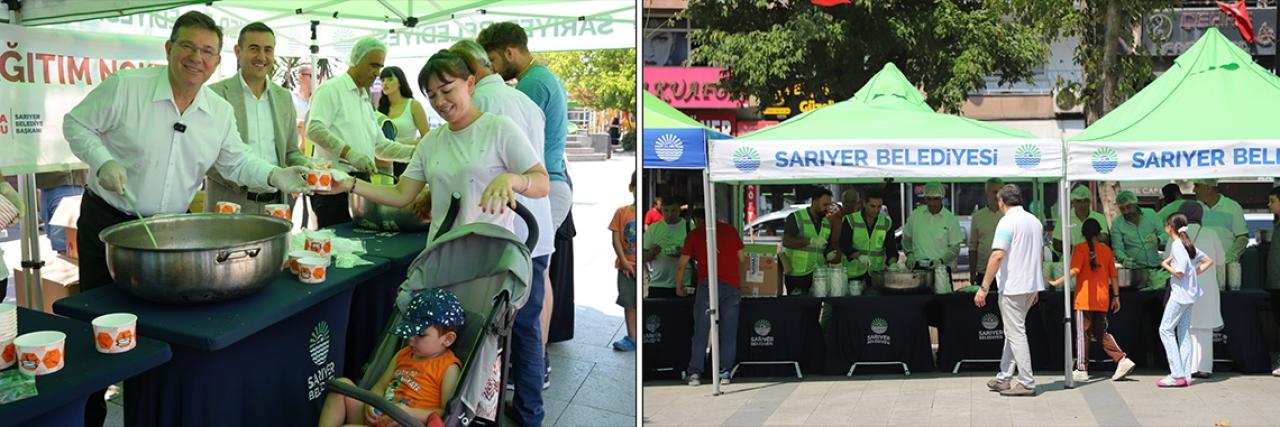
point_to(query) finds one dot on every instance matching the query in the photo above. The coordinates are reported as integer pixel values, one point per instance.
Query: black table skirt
(779, 330)
(666, 334)
(1129, 327)
(971, 333)
(878, 329)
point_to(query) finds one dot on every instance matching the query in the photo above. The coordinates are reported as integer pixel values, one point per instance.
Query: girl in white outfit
(1206, 315)
(1185, 263)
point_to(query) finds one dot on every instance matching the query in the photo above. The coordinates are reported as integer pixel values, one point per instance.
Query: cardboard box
(67, 215)
(60, 278)
(764, 277)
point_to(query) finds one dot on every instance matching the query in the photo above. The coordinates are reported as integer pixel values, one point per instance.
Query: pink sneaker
(1168, 382)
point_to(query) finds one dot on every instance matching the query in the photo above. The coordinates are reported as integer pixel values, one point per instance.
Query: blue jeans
(1175, 334)
(49, 200)
(729, 298)
(527, 364)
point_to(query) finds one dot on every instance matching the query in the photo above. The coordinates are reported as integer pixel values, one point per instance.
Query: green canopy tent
(886, 130)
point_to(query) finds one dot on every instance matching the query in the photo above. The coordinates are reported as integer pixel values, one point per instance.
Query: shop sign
(689, 87)
(1172, 33)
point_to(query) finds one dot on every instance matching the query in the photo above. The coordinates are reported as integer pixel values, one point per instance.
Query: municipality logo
(763, 327)
(990, 321)
(652, 323)
(669, 147)
(879, 325)
(1027, 156)
(1105, 160)
(319, 343)
(746, 159)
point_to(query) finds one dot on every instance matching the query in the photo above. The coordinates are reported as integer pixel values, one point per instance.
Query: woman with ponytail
(1185, 263)
(1096, 293)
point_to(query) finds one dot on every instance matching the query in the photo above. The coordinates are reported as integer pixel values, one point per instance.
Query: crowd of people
(1182, 246)
(154, 137)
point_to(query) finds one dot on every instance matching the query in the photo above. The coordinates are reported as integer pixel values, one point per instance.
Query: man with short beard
(1136, 240)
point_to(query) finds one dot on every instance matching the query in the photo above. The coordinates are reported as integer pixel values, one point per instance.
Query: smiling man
(149, 136)
(265, 118)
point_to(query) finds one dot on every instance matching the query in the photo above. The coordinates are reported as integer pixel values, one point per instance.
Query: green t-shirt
(670, 240)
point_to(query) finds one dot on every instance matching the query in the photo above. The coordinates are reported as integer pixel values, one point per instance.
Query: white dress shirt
(260, 124)
(346, 113)
(492, 95)
(130, 118)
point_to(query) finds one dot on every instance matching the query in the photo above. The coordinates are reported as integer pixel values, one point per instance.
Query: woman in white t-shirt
(483, 157)
(1185, 263)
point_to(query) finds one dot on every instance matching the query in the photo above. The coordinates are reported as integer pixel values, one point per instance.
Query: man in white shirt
(492, 95)
(265, 119)
(1016, 252)
(149, 136)
(344, 128)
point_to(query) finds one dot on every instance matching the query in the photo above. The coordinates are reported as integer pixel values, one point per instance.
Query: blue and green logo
(669, 147)
(1027, 156)
(746, 159)
(1105, 160)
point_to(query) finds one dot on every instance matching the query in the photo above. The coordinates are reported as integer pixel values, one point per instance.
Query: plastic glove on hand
(112, 177)
(363, 163)
(290, 179)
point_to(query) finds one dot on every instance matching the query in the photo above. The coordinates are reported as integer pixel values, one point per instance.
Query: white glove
(290, 179)
(818, 243)
(10, 194)
(112, 177)
(362, 163)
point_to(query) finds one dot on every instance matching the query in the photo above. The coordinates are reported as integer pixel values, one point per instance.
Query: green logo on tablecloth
(990, 321)
(319, 343)
(652, 323)
(762, 338)
(763, 327)
(879, 325)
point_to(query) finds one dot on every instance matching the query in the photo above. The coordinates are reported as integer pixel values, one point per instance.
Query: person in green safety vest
(1136, 241)
(805, 242)
(865, 238)
(1223, 212)
(932, 235)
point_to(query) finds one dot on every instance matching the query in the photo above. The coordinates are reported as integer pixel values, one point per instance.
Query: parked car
(1257, 221)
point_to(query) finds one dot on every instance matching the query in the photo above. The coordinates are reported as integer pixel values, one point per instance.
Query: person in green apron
(1081, 200)
(805, 242)
(864, 238)
(932, 235)
(1136, 241)
(664, 240)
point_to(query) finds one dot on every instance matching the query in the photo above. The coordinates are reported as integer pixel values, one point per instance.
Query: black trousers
(662, 292)
(95, 215)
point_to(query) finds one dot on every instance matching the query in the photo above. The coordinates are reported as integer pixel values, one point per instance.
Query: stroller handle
(521, 211)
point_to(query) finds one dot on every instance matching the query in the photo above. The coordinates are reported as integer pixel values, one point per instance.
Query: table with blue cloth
(777, 336)
(970, 334)
(666, 334)
(258, 360)
(878, 329)
(373, 301)
(1130, 327)
(62, 394)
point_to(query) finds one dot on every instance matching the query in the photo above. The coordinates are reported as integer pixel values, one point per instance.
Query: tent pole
(1066, 286)
(713, 281)
(30, 239)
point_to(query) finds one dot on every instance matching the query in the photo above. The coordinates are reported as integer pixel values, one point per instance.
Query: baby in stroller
(422, 377)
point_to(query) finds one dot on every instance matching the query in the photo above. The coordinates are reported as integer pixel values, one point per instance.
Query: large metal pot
(903, 281)
(201, 258)
(369, 215)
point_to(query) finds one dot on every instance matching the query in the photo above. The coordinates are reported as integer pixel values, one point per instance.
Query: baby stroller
(490, 271)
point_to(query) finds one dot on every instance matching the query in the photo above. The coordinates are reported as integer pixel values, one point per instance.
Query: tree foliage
(1132, 68)
(946, 47)
(599, 79)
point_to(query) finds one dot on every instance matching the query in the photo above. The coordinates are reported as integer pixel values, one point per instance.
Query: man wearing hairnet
(344, 128)
(932, 236)
(1222, 212)
(1136, 240)
(1081, 199)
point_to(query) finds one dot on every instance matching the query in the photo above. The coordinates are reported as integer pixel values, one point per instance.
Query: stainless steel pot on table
(201, 258)
(903, 281)
(372, 216)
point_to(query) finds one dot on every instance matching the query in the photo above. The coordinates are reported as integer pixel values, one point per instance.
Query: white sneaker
(1080, 376)
(1276, 372)
(1123, 369)
(694, 380)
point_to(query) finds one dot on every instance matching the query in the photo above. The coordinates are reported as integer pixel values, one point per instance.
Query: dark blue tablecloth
(1130, 327)
(778, 330)
(258, 360)
(889, 328)
(666, 333)
(967, 332)
(373, 301)
(62, 394)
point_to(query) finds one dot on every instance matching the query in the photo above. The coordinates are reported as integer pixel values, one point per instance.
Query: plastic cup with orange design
(115, 332)
(319, 243)
(294, 256)
(320, 180)
(41, 352)
(8, 353)
(313, 270)
(278, 210)
(227, 208)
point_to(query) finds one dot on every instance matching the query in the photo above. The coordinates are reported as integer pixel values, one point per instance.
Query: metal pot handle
(226, 256)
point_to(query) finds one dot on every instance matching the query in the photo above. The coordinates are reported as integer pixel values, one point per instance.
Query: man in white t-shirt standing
(1016, 252)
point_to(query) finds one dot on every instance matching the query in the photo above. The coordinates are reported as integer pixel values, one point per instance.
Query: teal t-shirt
(670, 241)
(544, 88)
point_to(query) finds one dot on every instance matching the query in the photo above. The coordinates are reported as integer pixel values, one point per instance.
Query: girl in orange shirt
(1096, 293)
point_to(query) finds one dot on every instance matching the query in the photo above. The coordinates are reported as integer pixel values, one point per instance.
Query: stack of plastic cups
(838, 281)
(821, 283)
(8, 331)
